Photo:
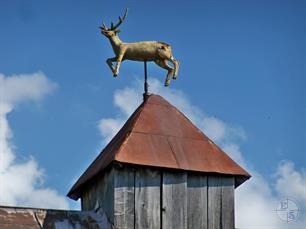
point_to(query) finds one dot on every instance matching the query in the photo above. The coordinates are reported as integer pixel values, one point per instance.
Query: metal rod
(146, 93)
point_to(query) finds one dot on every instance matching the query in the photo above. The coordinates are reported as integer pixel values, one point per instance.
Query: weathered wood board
(124, 201)
(214, 202)
(101, 194)
(106, 194)
(228, 215)
(136, 198)
(147, 198)
(174, 200)
(88, 197)
(197, 201)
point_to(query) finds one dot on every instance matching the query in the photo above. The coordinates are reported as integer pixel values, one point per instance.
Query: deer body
(138, 51)
(156, 51)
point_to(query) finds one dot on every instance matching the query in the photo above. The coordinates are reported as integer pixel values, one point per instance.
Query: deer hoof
(115, 73)
(174, 77)
(167, 83)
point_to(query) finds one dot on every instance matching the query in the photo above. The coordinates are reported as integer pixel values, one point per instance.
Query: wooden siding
(197, 201)
(124, 205)
(101, 195)
(174, 197)
(228, 214)
(146, 198)
(214, 202)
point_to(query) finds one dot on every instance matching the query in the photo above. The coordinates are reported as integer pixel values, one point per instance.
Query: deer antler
(104, 27)
(120, 20)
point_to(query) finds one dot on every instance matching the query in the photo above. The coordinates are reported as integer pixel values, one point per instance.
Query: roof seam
(128, 134)
(145, 124)
(140, 132)
(126, 138)
(173, 152)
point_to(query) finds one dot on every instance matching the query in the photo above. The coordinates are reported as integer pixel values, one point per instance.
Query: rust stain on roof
(34, 218)
(158, 134)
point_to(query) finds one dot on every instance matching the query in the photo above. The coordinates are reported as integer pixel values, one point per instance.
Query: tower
(161, 171)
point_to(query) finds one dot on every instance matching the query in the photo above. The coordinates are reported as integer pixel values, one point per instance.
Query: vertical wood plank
(197, 201)
(100, 192)
(174, 197)
(147, 198)
(124, 198)
(214, 202)
(89, 197)
(85, 201)
(228, 215)
(105, 194)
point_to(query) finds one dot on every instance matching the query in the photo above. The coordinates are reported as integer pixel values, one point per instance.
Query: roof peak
(156, 99)
(157, 134)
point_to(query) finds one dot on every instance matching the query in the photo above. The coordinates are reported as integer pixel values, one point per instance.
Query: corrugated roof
(158, 134)
(34, 218)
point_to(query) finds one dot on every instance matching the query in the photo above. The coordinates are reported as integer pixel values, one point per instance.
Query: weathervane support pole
(146, 93)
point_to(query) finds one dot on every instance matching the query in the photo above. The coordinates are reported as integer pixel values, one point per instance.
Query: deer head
(113, 30)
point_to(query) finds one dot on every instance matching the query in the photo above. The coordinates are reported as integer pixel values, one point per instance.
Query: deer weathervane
(156, 51)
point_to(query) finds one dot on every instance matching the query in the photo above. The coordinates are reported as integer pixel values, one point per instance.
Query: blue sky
(242, 62)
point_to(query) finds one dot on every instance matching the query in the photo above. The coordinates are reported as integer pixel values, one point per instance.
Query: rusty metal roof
(34, 218)
(158, 134)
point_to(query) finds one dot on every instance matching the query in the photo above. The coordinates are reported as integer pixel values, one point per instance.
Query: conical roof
(157, 134)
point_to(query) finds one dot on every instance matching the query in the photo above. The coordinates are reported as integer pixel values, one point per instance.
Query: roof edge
(109, 154)
(131, 120)
(239, 178)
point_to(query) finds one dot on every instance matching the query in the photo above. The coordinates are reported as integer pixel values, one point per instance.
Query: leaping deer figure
(156, 51)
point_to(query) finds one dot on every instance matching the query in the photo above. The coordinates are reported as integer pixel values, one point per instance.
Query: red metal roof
(158, 134)
(34, 218)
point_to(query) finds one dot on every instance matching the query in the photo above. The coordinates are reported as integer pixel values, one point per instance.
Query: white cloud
(25, 87)
(233, 150)
(129, 98)
(290, 182)
(6, 154)
(109, 127)
(22, 183)
(256, 199)
(214, 128)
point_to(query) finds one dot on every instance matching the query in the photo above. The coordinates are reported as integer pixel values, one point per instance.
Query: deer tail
(165, 46)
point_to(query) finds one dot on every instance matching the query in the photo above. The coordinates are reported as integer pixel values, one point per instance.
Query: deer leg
(176, 66)
(110, 61)
(119, 60)
(165, 65)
